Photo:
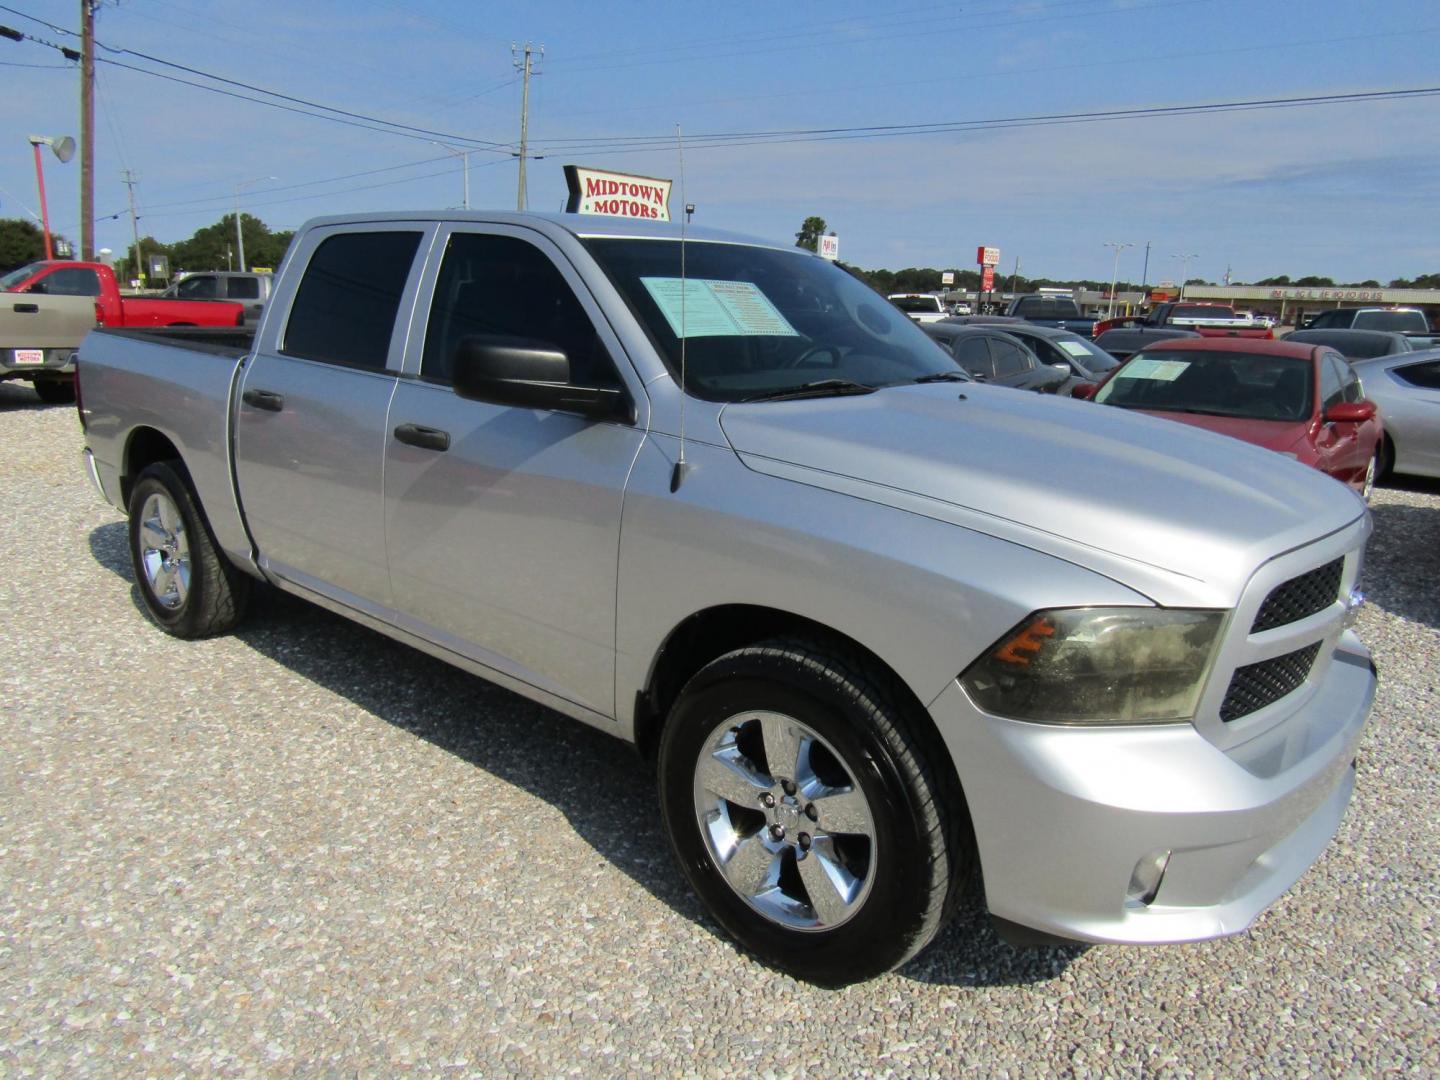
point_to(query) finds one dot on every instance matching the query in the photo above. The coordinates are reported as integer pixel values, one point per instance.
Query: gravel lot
(304, 847)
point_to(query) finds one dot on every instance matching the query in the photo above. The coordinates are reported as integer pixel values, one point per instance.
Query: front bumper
(1064, 815)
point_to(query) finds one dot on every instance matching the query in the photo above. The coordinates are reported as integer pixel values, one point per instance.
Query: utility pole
(1115, 274)
(139, 268)
(1013, 275)
(526, 68)
(1145, 277)
(87, 129)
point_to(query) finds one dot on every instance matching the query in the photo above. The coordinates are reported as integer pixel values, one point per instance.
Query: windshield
(759, 321)
(1246, 385)
(1047, 307)
(1391, 320)
(14, 277)
(921, 305)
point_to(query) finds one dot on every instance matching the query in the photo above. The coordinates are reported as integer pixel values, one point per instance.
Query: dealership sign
(830, 247)
(617, 194)
(1325, 294)
(987, 256)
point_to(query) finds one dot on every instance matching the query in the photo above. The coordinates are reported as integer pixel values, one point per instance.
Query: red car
(1303, 401)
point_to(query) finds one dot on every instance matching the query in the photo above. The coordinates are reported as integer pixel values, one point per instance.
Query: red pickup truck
(1207, 320)
(64, 278)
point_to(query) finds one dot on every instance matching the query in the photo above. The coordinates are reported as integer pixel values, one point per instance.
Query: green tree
(810, 232)
(1313, 281)
(21, 242)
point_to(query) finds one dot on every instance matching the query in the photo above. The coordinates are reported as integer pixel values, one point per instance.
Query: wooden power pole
(87, 129)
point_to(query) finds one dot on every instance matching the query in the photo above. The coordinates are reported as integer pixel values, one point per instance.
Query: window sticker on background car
(717, 308)
(1074, 348)
(1158, 370)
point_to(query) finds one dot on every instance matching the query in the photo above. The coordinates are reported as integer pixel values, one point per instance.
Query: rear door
(503, 523)
(310, 423)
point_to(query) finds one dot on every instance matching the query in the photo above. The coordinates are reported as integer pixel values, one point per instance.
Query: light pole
(464, 156)
(1184, 269)
(64, 148)
(1115, 274)
(240, 236)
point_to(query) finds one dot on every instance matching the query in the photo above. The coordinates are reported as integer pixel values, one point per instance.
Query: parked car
(989, 354)
(1355, 344)
(719, 499)
(1124, 342)
(1412, 322)
(1406, 389)
(1073, 353)
(961, 307)
(1205, 319)
(1046, 309)
(922, 307)
(248, 288)
(1304, 401)
(50, 306)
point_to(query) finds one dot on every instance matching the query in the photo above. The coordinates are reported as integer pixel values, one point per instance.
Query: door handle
(263, 399)
(427, 438)
(27, 309)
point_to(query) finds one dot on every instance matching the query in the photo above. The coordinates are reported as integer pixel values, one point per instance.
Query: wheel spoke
(152, 533)
(169, 516)
(164, 578)
(752, 867)
(831, 887)
(843, 811)
(181, 573)
(730, 775)
(783, 744)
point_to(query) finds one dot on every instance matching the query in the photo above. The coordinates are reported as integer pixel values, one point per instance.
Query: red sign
(987, 256)
(987, 279)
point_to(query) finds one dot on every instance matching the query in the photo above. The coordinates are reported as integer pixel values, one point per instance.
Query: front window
(756, 321)
(1244, 385)
(196, 288)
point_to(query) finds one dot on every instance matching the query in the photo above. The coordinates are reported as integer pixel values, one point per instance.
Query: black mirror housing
(529, 374)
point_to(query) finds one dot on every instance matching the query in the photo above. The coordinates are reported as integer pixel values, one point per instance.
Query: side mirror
(1350, 412)
(1060, 365)
(530, 374)
(1085, 391)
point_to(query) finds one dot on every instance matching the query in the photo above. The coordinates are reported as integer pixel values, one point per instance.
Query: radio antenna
(677, 477)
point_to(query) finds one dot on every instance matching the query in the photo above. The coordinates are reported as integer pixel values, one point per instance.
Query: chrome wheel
(164, 551)
(785, 821)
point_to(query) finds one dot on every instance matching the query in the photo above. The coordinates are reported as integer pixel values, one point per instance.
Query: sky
(1345, 190)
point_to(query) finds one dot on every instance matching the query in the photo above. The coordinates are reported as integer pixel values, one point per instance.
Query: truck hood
(1179, 514)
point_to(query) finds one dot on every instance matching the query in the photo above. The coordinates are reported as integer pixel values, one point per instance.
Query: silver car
(1406, 387)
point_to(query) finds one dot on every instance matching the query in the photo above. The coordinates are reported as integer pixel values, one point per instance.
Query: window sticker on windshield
(717, 308)
(1074, 348)
(1158, 370)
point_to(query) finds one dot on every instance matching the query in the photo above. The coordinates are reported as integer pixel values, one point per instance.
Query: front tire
(189, 588)
(805, 808)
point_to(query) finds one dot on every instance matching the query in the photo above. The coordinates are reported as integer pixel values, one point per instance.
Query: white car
(922, 307)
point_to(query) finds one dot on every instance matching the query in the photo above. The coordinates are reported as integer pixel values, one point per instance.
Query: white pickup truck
(718, 498)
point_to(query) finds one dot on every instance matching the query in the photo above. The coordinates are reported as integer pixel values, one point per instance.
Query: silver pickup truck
(720, 499)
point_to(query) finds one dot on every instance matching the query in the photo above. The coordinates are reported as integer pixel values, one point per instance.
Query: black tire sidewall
(893, 913)
(162, 479)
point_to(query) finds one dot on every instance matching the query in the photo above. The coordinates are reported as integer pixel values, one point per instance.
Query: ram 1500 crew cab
(720, 499)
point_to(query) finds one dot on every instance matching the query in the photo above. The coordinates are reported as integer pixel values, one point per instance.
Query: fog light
(1146, 877)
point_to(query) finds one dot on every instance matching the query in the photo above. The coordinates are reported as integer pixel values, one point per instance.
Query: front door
(502, 523)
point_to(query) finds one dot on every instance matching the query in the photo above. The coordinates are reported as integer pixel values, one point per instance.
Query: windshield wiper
(944, 376)
(819, 388)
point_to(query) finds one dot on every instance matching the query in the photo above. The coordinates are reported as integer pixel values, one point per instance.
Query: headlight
(1097, 666)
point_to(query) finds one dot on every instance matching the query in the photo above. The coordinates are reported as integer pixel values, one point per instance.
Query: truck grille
(1299, 598)
(1257, 685)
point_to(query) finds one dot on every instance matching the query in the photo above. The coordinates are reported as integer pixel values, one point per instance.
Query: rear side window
(1009, 358)
(1424, 375)
(1047, 307)
(202, 287)
(973, 354)
(72, 281)
(244, 288)
(344, 310)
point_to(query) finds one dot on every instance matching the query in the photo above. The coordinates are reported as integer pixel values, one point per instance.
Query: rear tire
(837, 860)
(189, 588)
(55, 391)
(1386, 458)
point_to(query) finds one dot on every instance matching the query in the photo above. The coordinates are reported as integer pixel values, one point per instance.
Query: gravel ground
(306, 848)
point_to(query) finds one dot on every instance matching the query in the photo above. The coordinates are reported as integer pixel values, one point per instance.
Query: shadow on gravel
(598, 782)
(15, 395)
(1403, 560)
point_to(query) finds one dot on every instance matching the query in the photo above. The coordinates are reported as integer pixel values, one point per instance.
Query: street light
(240, 236)
(64, 148)
(464, 156)
(1115, 274)
(1184, 269)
